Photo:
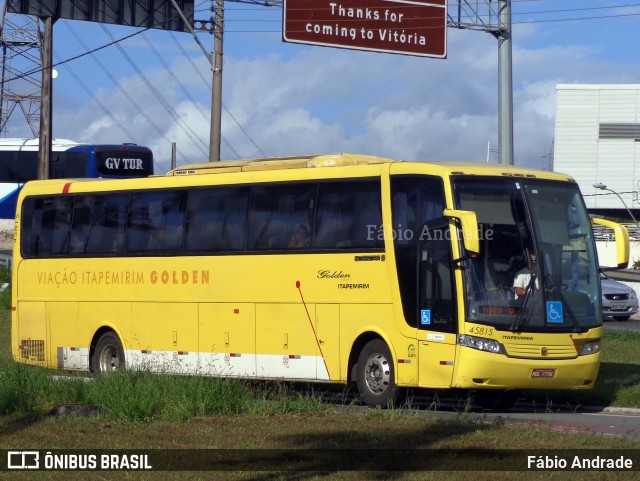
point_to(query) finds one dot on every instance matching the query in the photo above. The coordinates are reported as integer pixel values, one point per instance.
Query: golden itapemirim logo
(167, 277)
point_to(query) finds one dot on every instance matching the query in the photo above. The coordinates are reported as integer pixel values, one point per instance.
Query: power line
(100, 104)
(185, 91)
(120, 88)
(514, 13)
(193, 136)
(208, 85)
(70, 59)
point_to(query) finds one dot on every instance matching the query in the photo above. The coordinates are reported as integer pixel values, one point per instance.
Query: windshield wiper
(565, 304)
(517, 322)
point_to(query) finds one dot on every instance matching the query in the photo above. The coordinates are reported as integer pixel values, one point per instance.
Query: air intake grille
(32, 350)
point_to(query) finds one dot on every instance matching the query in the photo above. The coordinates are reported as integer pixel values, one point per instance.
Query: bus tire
(376, 375)
(108, 355)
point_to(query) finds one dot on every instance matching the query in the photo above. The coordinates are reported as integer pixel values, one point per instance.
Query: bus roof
(343, 160)
(277, 163)
(32, 143)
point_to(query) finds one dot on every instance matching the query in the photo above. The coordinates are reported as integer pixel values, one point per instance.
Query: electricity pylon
(21, 82)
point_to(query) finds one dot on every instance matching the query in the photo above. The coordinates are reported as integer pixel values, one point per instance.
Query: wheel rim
(108, 359)
(377, 373)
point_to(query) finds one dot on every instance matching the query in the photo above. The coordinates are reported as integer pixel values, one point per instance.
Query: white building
(597, 140)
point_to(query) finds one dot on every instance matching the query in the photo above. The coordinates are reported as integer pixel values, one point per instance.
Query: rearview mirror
(469, 225)
(622, 240)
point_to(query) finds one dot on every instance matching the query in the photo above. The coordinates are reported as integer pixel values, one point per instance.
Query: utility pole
(216, 92)
(44, 148)
(215, 25)
(480, 15)
(505, 83)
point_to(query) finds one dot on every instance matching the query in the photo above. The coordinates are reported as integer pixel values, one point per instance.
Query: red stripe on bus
(65, 189)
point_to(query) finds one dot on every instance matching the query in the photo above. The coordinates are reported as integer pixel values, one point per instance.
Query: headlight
(479, 343)
(632, 295)
(592, 347)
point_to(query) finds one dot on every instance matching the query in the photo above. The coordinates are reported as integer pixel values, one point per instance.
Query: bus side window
(276, 212)
(156, 221)
(30, 226)
(138, 225)
(349, 214)
(417, 201)
(217, 219)
(171, 221)
(437, 291)
(98, 224)
(26, 167)
(82, 224)
(8, 167)
(64, 165)
(55, 228)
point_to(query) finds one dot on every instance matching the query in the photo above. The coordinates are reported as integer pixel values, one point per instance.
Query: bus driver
(522, 280)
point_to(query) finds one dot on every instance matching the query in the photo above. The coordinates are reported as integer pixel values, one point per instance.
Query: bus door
(436, 309)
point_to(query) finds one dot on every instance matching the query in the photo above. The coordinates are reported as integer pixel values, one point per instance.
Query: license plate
(543, 373)
(617, 305)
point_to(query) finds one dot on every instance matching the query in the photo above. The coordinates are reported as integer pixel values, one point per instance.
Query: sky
(154, 88)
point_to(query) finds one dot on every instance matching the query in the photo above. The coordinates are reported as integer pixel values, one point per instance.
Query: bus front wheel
(108, 355)
(376, 375)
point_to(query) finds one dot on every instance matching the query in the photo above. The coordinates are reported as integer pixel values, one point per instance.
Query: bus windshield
(537, 269)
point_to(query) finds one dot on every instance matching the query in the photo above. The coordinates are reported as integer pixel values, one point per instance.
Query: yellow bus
(330, 268)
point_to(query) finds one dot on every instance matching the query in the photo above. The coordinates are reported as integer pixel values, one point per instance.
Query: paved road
(617, 422)
(610, 421)
(632, 324)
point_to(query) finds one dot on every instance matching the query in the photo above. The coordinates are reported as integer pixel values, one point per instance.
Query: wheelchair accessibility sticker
(425, 317)
(554, 312)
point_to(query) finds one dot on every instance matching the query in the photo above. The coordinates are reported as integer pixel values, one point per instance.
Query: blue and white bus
(69, 159)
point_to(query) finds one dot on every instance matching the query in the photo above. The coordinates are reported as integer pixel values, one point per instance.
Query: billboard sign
(394, 26)
(134, 13)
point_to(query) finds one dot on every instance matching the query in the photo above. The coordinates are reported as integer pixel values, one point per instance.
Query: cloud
(304, 100)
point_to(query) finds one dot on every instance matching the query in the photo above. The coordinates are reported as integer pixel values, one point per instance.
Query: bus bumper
(478, 369)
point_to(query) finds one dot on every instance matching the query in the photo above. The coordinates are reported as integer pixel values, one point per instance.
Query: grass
(166, 412)
(342, 431)
(139, 396)
(132, 396)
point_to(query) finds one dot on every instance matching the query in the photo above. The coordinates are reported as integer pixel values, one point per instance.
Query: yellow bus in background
(331, 268)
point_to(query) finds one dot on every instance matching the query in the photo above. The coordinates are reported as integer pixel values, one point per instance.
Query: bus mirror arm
(470, 234)
(622, 242)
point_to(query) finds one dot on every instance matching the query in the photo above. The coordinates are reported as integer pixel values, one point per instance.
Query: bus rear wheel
(108, 355)
(376, 375)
